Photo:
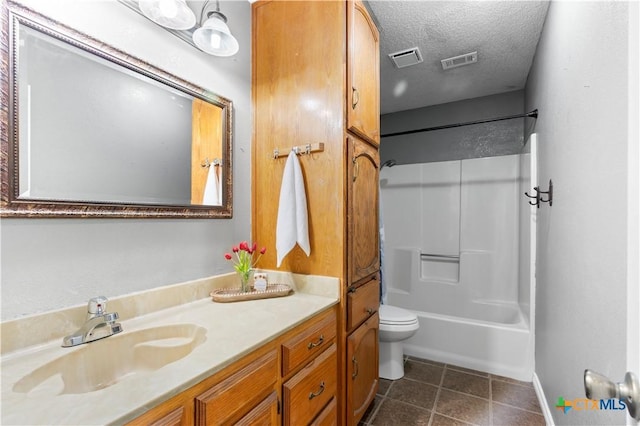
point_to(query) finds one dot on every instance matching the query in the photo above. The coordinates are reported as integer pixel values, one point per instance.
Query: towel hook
(305, 149)
(538, 195)
(549, 194)
(206, 163)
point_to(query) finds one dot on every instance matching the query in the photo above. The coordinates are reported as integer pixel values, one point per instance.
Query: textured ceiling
(504, 33)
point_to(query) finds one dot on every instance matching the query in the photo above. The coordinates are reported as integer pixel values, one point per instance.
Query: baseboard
(546, 411)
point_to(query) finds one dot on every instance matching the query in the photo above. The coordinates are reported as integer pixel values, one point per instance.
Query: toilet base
(391, 362)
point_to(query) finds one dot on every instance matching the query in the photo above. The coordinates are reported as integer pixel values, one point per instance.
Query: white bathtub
(504, 349)
(458, 327)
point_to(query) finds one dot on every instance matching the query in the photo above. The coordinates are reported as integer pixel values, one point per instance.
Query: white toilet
(396, 325)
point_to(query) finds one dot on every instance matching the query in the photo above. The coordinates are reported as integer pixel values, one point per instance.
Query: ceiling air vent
(460, 60)
(406, 57)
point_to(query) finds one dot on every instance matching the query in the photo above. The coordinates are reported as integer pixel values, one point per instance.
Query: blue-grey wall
(580, 83)
(480, 140)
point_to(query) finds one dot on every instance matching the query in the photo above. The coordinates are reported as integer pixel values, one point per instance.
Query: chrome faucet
(99, 324)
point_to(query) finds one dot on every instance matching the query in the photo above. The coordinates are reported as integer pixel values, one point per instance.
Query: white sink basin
(108, 361)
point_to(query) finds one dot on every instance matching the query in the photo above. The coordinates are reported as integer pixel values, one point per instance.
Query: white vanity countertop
(233, 330)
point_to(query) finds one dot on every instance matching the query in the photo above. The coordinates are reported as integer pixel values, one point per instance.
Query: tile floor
(436, 394)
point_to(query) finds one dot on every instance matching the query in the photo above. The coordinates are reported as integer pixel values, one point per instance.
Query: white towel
(293, 225)
(213, 188)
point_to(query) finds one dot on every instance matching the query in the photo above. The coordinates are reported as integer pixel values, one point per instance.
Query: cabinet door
(364, 248)
(264, 414)
(238, 394)
(174, 418)
(363, 74)
(328, 416)
(362, 369)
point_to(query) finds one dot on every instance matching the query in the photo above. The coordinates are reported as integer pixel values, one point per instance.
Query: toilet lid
(395, 315)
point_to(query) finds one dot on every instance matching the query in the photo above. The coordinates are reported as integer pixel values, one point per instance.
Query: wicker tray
(233, 294)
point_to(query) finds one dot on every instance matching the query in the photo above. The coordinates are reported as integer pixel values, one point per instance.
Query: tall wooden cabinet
(316, 80)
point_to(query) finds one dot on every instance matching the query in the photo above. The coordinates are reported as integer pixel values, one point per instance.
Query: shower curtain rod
(533, 114)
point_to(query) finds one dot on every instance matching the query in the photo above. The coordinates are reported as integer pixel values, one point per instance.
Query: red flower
(244, 257)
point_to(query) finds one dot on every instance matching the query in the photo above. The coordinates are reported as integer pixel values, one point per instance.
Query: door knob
(597, 386)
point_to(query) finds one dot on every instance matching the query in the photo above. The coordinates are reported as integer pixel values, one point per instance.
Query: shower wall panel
(489, 227)
(465, 208)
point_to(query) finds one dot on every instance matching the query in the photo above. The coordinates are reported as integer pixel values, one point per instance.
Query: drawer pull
(312, 345)
(314, 394)
(355, 368)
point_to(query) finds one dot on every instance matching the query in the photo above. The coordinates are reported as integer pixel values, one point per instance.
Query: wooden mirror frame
(12, 206)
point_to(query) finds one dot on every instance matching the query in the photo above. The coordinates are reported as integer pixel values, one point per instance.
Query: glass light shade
(215, 38)
(174, 14)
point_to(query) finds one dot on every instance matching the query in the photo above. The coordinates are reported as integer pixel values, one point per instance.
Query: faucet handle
(97, 306)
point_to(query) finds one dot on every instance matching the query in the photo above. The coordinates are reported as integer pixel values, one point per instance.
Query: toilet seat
(392, 315)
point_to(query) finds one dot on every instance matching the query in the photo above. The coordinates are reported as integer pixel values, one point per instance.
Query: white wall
(579, 83)
(52, 263)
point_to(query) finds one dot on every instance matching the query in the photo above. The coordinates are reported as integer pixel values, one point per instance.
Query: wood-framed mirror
(90, 131)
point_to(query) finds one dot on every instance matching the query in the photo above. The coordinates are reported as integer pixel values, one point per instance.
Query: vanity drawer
(238, 394)
(266, 413)
(362, 302)
(309, 391)
(328, 416)
(308, 343)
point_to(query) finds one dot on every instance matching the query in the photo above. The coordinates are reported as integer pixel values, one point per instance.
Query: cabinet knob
(371, 311)
(312, 345)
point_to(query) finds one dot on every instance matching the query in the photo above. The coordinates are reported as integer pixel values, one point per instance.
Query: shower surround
(457, 252)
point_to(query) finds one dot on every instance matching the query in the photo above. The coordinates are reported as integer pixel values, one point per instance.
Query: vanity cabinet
(292, 379)
(315, 79)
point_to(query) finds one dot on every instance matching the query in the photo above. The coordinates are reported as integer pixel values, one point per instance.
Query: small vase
(245, 281)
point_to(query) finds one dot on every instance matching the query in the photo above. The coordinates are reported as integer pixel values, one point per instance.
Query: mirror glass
(96, 132)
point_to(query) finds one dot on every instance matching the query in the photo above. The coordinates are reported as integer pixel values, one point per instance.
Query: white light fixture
(211, 34)
(214, 36)
(174, 14)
